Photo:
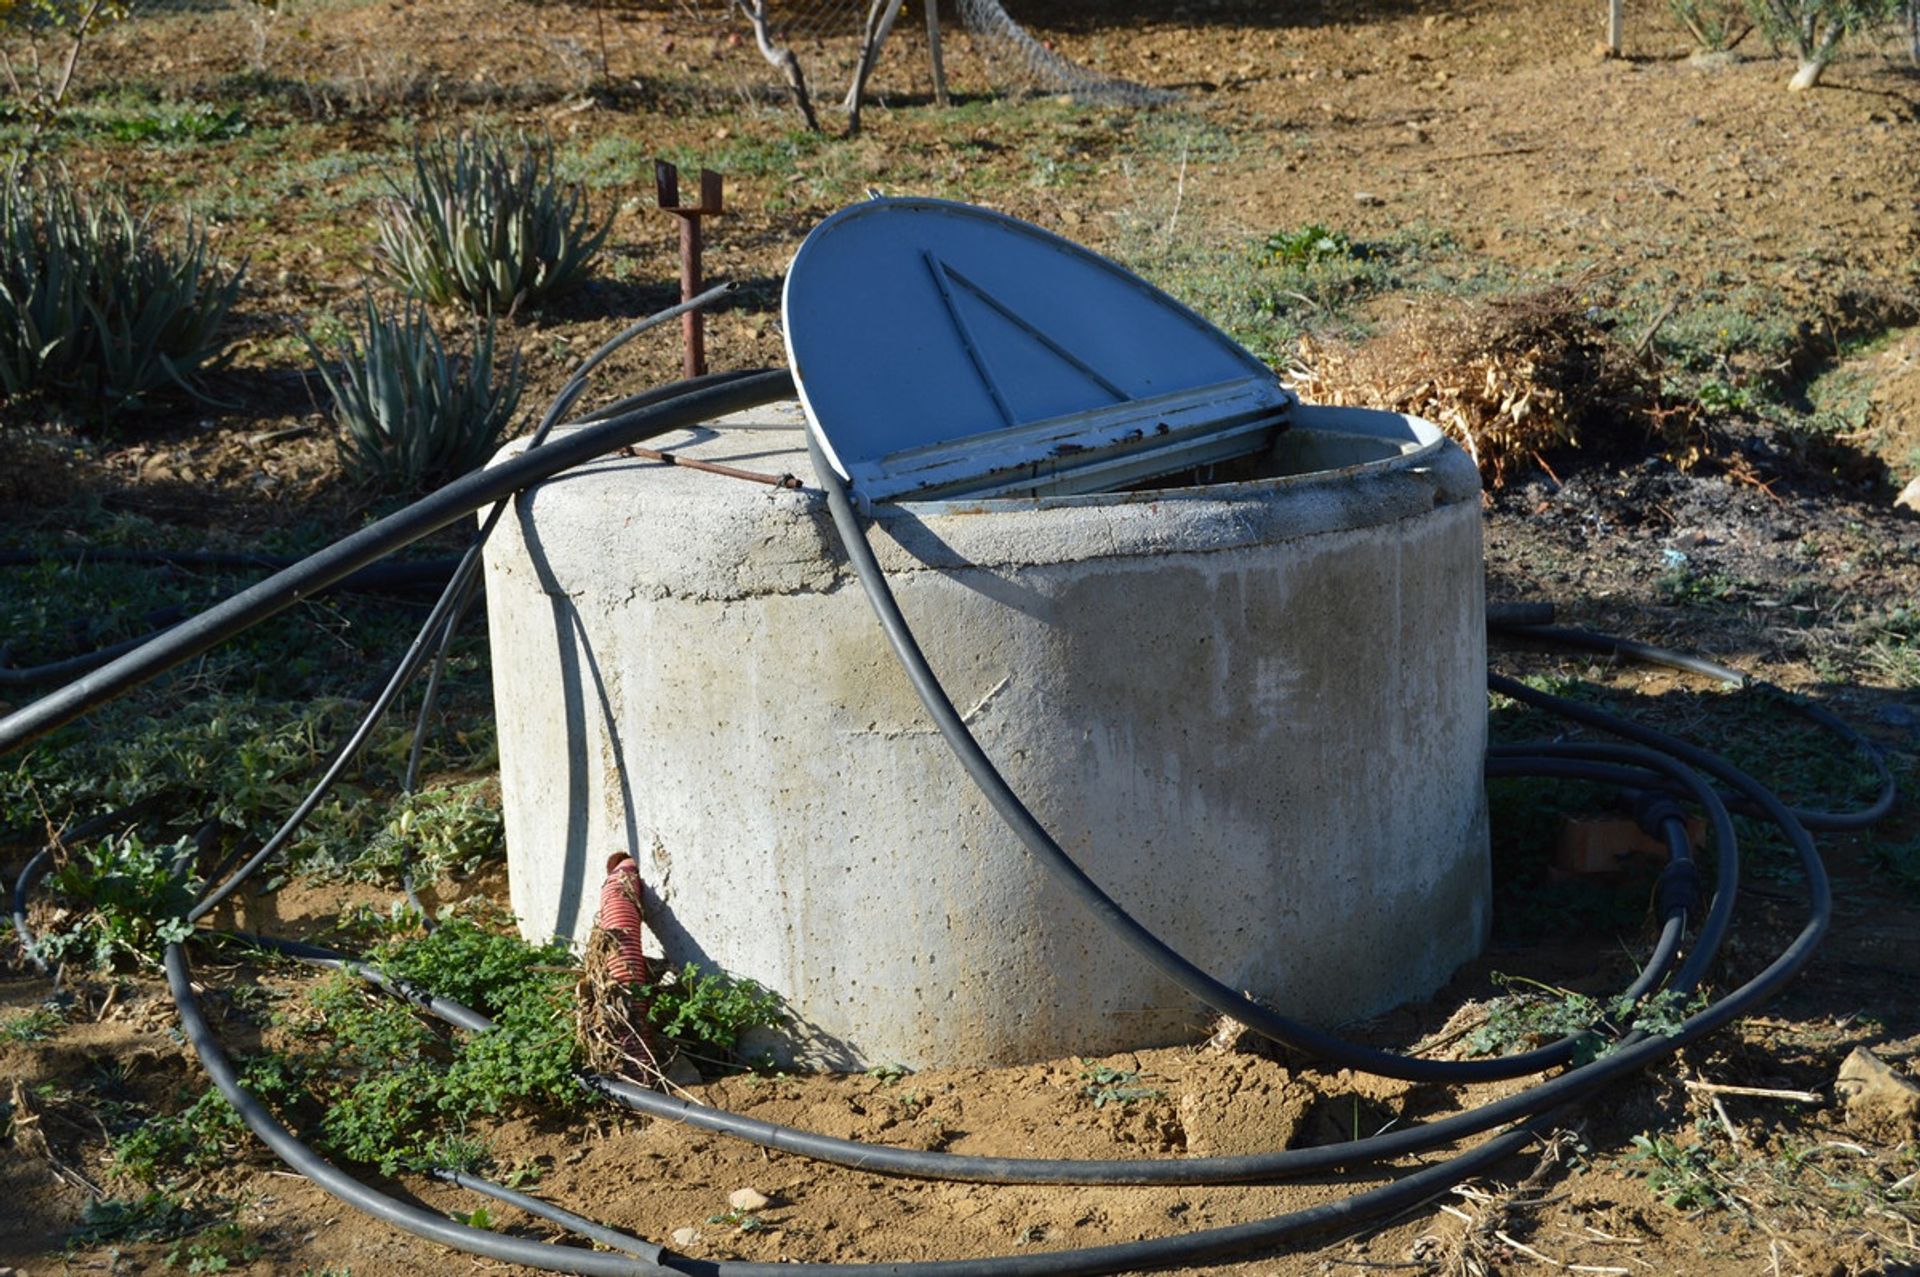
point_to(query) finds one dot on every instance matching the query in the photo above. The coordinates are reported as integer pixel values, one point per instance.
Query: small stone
(1367, 199)
(685, 1237)
(683, 1072)
(747, 1200)
(1880, 1103)
(1909, 498)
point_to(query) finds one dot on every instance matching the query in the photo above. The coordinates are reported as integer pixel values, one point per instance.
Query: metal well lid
(943, 350)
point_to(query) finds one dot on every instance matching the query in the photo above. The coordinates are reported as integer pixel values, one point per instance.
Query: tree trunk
(940, 64)
(1813, 64)
(879, 26)
(755, 12)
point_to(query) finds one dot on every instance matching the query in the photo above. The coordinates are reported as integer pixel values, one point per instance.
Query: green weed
(1543, 1014)
(171, 124)
(34, 1025)
(1746, 331)
(739, 1219)
(151, 1217)
(1307, 245)
(128, 900)
(709, 1009)
(1682, 586)
(1685, 1176)
(1106, 1085)
(216, 1250)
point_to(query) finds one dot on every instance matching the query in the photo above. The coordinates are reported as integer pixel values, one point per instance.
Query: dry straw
(1511, 379)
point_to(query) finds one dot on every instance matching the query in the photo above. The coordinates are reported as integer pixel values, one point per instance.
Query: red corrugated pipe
(620, 914)
(620, 917)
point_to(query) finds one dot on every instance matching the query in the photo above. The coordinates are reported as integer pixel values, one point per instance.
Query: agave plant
(411, 415)
(488, 224)
(94, 307)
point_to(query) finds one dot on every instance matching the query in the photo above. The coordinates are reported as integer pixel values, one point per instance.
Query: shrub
(1814, 28)
(410, 414)
(94, 308)
(54, 32)
(488, 225)
(1714, 24)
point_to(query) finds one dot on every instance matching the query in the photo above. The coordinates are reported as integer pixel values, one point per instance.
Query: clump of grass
(97, 311)
(488, 224)
(36, 1024)
(1509, 378)
(410, 414)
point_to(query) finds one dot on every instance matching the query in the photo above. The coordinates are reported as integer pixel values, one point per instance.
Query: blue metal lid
(943, 350)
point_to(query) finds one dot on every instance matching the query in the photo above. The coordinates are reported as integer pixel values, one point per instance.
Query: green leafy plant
(1106, 1085)
(151, 1217)
(709, 1008)
(170, 125)
(744, 1221)
(409, 413)
(95, 310)
(1307, 245)
(1683, 1175)
(126, 899)
(216, 1250)
(386, 1088)
(489, 224)
(1544, 1014)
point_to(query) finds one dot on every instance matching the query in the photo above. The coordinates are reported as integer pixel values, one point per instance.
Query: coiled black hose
(1649, 766)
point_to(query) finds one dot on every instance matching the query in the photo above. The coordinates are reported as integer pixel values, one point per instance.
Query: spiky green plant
(95, 309)
(410, 414)
(488, 223)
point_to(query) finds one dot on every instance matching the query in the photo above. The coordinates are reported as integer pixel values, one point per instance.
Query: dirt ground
(1777, 239)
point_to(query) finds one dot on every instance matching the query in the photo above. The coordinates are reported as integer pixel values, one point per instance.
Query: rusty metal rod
(713, 467)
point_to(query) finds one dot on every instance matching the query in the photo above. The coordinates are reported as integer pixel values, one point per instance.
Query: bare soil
(1491, 128)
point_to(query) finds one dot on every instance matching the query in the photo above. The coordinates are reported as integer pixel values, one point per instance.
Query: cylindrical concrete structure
(1254, 711)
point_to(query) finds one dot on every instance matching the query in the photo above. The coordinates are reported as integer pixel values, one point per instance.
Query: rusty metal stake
(666, 181)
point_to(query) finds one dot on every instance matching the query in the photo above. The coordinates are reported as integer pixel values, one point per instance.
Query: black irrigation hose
(612, 1238)
(379, 578)
(1538, 1106)
(1522, 626)
(1639, 768)
(696, 403)
(1080, 885)
(1205, 1245)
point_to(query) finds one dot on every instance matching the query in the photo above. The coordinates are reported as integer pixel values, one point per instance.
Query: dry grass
(1511, 379)
(611, 1019)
